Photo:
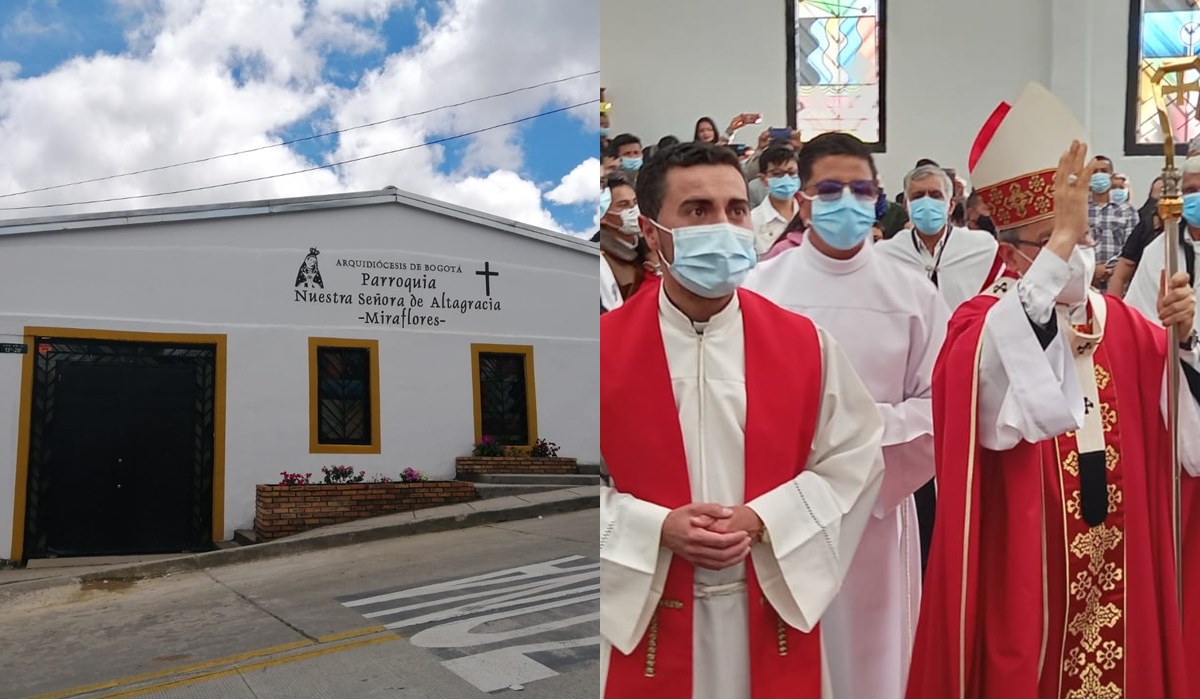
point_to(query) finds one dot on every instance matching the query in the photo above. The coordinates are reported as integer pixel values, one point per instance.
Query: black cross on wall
(488, 273)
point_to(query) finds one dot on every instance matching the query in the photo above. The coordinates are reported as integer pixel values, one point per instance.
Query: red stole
(642, 445)
(997, 607)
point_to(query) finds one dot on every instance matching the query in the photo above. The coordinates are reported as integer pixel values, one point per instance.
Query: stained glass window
(1162, 30)
(835, 67)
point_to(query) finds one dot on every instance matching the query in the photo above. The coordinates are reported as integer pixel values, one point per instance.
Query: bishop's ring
(1072, 179)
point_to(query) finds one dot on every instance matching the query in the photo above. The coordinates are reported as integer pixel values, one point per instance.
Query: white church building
(156, 364)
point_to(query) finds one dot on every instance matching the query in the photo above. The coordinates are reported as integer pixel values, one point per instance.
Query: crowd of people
(914, 447)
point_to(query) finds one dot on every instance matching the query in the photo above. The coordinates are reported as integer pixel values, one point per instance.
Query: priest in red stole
(1052, 570)
(744, 456)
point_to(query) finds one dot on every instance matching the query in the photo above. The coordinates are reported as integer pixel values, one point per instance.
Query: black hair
(623, 140)
(1108, 160)
(617, 180)
(926, 161)
(773, 155)
(696, 131)
(832, 143)
(668, 141)
(609, 152)
(652, 178)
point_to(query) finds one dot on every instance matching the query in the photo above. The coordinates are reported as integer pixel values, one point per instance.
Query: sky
(95, 88)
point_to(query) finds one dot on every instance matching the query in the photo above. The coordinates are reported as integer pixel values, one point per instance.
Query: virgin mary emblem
(309, 275)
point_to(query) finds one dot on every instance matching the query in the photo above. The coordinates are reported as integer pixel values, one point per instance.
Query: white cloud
(578, 186)
(172, 97)
(9, 70)
(26, 24)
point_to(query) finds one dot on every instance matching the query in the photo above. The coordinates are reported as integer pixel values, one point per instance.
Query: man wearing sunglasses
(744, 455)
(1052, 569)
(891, 322)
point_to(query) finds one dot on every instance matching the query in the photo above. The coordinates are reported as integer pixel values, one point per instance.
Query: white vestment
(891, 324)
(814, 521)
(1033, 394)
(962, 258)
(1143, 289)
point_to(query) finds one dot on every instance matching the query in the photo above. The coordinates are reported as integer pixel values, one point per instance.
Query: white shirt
(610, 291)
(962, 259)
(769, 225)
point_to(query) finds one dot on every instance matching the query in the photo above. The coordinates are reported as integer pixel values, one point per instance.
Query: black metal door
(121, 448)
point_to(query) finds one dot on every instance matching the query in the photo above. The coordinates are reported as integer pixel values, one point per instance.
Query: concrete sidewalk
(18, 582)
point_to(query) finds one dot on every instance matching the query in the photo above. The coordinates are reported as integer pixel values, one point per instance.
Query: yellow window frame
(315, 446)
(530, 387)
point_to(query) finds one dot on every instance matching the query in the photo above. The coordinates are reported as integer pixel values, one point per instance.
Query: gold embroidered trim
(1071, 463)
(652, 639)
(1108, 416)
(1102, 378)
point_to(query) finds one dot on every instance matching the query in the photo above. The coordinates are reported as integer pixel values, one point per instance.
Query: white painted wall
(669, 62)
(949, 63)
(236, 276)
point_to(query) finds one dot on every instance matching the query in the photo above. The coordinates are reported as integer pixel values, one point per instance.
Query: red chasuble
(1022, 597)
(642, 445)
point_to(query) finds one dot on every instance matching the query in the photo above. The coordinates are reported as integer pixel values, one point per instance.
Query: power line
(303, 138)
(308, 170)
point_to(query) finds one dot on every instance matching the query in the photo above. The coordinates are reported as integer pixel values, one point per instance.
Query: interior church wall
(948, 64)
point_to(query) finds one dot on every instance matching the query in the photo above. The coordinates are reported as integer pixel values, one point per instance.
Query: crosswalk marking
(485, 627)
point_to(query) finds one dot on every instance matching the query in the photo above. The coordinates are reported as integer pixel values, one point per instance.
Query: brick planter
(280, 511)
(516, 465)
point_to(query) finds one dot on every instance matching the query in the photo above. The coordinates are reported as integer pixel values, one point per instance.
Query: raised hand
(1071, 200)
(701, 546)
(743, 119)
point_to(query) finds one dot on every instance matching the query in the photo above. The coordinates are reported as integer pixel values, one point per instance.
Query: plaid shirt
(1110, 224)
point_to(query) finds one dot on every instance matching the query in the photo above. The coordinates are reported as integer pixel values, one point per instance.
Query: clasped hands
(710, 535)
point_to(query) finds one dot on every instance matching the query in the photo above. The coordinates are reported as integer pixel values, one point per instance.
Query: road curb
(473, 514)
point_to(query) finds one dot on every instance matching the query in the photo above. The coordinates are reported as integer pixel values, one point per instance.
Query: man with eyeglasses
(891, 322)
(1052, 572)
(744, 455)
(781, 176)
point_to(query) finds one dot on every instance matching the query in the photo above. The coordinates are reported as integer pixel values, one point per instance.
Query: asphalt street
(506, 610)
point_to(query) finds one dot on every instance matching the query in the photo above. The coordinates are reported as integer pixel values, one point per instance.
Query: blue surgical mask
(605, 200)
(784, 187)
(929, 215)
(1191, 208)
(1119, 196)
(843, 223)
(604, 132)
(1101, 182)
(711, 260)
(631, 163)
